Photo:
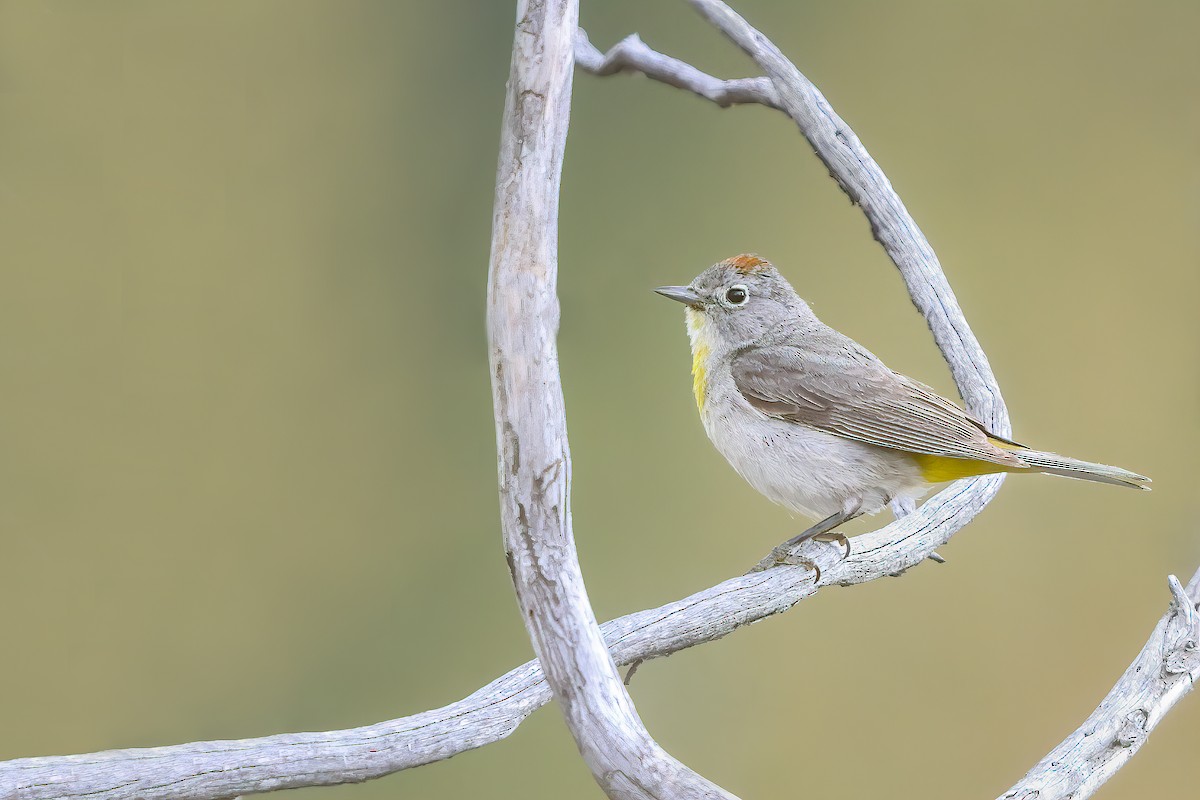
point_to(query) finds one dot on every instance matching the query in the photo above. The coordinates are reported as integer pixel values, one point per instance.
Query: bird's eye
(737, 295)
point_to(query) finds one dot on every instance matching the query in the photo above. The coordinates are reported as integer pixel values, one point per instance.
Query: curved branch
(531, 424)
(211, 770)
(1166, 669)
(223, 769)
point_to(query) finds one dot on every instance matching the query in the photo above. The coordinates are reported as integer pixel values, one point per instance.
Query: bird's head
(735, 302)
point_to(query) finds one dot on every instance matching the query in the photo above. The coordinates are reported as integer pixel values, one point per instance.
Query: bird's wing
(840, 388)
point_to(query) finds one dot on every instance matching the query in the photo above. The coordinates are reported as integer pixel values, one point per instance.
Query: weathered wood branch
(1165, 670)
(531, 423)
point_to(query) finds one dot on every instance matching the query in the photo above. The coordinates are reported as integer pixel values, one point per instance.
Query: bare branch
(531, 424)
(1167, 668)
(1164, 671)
(222, 769)
(210, 770)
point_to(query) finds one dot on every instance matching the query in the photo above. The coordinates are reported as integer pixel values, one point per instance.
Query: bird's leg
(823, 530)
(785, 553)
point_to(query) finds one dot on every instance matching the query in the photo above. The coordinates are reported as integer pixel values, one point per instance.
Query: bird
(817, 423)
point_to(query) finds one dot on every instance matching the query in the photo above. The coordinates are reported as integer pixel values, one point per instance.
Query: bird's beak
(680, 294)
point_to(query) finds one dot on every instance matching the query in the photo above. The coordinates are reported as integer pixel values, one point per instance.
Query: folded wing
(840, 388)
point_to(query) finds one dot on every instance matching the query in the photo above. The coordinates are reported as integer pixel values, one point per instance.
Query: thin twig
(632, 54)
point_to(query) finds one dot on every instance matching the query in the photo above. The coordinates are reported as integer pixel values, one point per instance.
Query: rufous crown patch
(746, 263)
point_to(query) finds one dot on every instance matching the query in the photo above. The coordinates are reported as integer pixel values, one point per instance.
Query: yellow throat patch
(699, 356)
(696, 324)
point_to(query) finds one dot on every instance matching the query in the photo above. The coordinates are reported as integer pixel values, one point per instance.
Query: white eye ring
(737, 295)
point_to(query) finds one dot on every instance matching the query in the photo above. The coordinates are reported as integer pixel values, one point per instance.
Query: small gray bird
(818, 424)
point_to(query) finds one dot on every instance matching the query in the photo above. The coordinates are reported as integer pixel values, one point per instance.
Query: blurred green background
(248, 474)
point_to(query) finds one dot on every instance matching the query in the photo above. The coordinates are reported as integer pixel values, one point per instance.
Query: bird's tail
(1055, 464)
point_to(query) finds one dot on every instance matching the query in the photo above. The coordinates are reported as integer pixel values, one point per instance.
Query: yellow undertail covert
(939, 469)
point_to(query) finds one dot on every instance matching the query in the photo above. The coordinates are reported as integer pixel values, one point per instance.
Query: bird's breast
(809, 471)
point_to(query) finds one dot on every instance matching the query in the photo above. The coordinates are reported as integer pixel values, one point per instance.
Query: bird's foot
(787, 553)
(834, 536)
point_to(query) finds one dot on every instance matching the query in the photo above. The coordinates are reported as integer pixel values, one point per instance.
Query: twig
(632, 54)
(531, 424)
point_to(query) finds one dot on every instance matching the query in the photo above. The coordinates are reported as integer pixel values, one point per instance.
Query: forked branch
(1163, 672)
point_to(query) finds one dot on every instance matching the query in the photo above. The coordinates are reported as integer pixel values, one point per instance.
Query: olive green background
(247, 482)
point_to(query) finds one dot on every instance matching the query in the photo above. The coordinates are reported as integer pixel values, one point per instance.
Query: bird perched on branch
(817, 423)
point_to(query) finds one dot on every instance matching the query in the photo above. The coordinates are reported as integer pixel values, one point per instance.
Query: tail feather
(1083, 470)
